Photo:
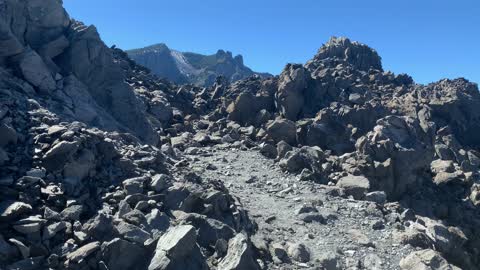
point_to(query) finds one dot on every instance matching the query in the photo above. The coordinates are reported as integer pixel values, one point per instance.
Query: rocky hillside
(187, 67)
(335, 164)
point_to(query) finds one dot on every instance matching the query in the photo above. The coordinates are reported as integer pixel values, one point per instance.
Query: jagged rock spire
(341, 50)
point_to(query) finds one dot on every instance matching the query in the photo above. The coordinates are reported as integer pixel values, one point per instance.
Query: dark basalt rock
(99, 158)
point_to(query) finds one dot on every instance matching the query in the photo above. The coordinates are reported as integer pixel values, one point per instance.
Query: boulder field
(333, 164)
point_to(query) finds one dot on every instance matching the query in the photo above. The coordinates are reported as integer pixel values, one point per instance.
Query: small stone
(270, 219)
(378, 225)
(24, 250)
(29, 225)
(278, 251)
(251, 179)
(132, 233)
(72, 213)
(142, 205)
(134, 185)
(328, 261)
(52, 229)
(56, 130)
(312, 217)
(49, 214)
(39, 173)
(221, 248)
(239, 255)
(10, 209)
(299, 252)
(426, 259)
(379, 197)
(83, 252)
(356, 186)
(160, 182)
(408, 214)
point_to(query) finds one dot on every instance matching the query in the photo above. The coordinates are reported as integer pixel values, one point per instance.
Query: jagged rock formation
(83, 183)
(340, 164)
(187, 67)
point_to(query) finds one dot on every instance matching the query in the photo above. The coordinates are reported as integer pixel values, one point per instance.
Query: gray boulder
(59, 154)
(46, 21)
(426, 259)
(304, 158)
(36, 72)
(401, 149)
(298, 252)
(244, 109)
(10, 210)
(132, 233)
(161, 109)
(292, 85)
(209, 231)
(356, 186)
(177, 249)
(123, 255)
(282, 130)
(239, 255)
(83, 252)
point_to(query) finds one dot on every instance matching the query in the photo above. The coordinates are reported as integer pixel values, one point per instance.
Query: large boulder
(59, 154)
(161, 109)
(401, 151)
(296, 160)
(47, 20)
(356, 186)
(292, 85)
(244, 109)
(36, 72)
(177, 249)
(239, 255)
(327, 132)
(209, 231)
(115, 256)
(282, 130)
(10, 210)
(426, 259)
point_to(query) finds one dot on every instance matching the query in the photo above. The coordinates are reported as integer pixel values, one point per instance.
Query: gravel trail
(355, 234)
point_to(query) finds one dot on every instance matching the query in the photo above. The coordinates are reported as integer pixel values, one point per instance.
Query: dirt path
(342, 230)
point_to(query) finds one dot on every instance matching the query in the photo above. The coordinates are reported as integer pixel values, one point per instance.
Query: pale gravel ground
(264, 198)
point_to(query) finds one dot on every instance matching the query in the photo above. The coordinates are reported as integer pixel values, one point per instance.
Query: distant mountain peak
(189, 67)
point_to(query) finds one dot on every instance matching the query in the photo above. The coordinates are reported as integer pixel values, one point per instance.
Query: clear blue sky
(428, 39)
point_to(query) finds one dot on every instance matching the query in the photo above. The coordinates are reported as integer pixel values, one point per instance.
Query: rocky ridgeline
(96, 155)
(187, 67)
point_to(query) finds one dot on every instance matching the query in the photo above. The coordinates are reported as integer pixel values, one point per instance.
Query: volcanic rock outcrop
(335, 164)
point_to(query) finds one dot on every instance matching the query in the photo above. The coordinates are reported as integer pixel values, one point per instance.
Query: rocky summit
(335, 164)
(186, 67)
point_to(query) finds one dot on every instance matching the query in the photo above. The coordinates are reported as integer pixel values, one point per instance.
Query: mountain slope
(187, 67)
(341, 165)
